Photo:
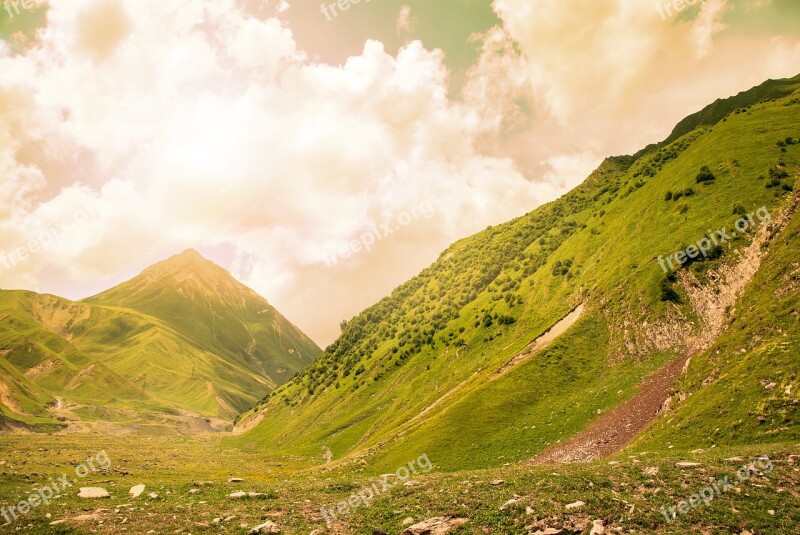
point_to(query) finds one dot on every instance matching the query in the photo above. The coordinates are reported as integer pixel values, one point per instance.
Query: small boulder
(575, 505)
(266, 527)
(92, 492)
(597, 528)
(496, 482)
(136, 491)
(438, 525)
(153, 495)
(235, 480)
(407, 522)
(685, 464)
(237, 495)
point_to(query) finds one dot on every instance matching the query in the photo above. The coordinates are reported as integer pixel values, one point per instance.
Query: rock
(194, 491)
(529, 510)
(438, 525)
(316, 532)
(734, 459)
(92, 492)
(687, 465)
(267, 527)
(650, 470)
(597, 528)
(407, 522)
(57, 522)
(771, 512)
(217, 520)
(136, 491)
(548, 531)
(509, 503)
(614, 463)
(411, 484)
(235, 480)
(153, 495)
(698, 451)
(575, 505)
(237, 495)
(496, 482)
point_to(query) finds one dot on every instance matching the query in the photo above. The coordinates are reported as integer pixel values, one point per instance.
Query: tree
(705, 175)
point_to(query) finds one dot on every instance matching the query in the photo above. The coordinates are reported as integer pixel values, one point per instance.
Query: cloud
(197, 124)
(202, 124)
(404, 23)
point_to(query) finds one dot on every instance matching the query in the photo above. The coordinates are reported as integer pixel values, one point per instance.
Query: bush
(738, 209)
(668, 196)
(668, 293)
(705, 175)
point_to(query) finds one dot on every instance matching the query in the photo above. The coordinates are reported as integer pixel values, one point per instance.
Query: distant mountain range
(558, 335)
(183, 346)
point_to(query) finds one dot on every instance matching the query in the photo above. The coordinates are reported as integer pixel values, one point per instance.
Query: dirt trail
(615, 429)
(711, 302)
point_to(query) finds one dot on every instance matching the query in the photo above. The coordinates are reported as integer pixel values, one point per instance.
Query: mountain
(182, 346)
(560, 336)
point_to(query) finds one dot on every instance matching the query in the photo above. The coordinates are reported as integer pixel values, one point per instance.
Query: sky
(325, 157)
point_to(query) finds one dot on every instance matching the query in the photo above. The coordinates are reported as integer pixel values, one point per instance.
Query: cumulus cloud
(197, 124)
(202, 124)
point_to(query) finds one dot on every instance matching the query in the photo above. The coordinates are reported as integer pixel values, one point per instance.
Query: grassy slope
(406, 352)
(206, 304)
(111, 359)
(114, 358)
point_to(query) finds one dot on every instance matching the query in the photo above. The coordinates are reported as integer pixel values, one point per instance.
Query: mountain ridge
(142, 351)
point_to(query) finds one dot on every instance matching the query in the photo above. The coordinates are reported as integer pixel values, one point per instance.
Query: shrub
(705, 175)
(738, 209)
(668, 294)
(668, 196)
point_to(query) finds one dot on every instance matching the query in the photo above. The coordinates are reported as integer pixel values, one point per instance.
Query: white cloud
(197, 124)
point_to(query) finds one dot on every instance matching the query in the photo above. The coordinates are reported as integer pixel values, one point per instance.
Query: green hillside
(420, 370)
(216, 349)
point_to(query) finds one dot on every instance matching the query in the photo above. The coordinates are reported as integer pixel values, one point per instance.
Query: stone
(438, 525)
(153, 495)
(407, 522)
(237, 495)
(575, 505)
(685, 464)
(597, 528)
(92, 492)
(235, 480)
(136, 491)
(509, 503)
(496, 482)
(267, 527)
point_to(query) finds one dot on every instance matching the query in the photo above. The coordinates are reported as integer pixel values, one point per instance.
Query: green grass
(599, 244)
(627, 495)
